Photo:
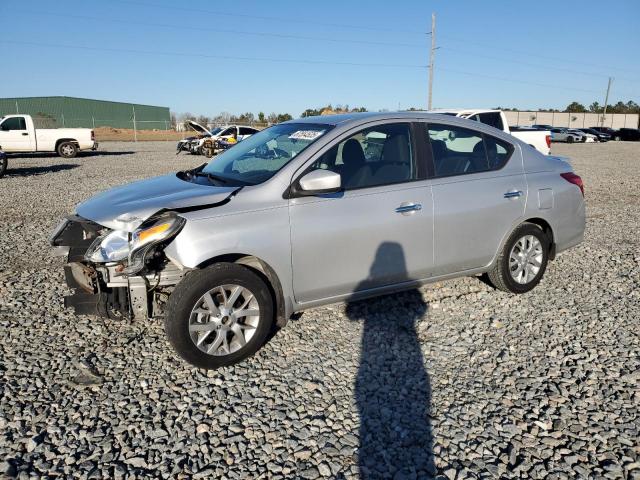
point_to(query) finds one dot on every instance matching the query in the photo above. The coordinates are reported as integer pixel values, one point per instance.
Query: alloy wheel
(224, 319)
(525, 259)
(67, 150)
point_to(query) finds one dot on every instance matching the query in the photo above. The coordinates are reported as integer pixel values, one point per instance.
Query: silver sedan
(317, 211)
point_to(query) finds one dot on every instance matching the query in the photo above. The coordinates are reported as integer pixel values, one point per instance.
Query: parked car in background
(207, 142)
(538, 139)
(628, 134)
(559, 134)
(609, 131)
(586, 137)
(542, 126)
(317, 211)
(600, 136)
(18, 134)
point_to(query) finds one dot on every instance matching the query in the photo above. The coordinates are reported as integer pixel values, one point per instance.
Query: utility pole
(606, 100)
(432, 58)
(135, 129)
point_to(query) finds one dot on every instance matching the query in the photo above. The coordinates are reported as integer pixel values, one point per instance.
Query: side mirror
(318, 182)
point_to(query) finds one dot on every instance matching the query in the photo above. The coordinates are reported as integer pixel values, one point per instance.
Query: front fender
(263, 234)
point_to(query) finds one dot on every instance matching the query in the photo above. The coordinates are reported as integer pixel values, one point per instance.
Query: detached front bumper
(100, 289)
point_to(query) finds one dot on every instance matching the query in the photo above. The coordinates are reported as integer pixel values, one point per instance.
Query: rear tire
(67, 149)
(209, 327)
(523, 260)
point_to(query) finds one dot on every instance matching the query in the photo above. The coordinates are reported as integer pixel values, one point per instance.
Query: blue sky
(533, 54)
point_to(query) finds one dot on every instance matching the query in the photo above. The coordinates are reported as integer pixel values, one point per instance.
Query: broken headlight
(150, 234)
(111, 247)
(119, 245)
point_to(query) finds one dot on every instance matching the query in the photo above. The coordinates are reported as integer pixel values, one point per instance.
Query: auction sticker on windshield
(306, 134)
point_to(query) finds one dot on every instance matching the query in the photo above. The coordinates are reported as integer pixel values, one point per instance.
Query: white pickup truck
(537, 138)
(19, 135)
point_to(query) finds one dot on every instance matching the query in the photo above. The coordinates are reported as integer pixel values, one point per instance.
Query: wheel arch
(265, 271)
(548, 230)
(63, 140)
(540, 222)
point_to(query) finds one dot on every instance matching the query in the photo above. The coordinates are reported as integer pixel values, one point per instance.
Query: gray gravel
(455, 380)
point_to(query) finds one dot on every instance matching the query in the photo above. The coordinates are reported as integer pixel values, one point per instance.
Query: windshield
(260, 156)
(216, 130)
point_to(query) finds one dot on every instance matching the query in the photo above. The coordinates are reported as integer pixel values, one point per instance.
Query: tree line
(595, 107)
(248, 118)
(223, 118)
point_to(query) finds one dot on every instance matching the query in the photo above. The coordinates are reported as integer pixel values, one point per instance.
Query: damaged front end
(195, 145)
(118, 274)
(192, 145)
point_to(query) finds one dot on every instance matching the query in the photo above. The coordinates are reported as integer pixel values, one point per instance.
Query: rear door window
(460, 151)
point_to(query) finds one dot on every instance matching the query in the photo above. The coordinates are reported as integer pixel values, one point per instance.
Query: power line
(202, 55)
(523, 82)
(222, 30)
(284, 60)
(546, 57)
(264, 17)
(519, 62)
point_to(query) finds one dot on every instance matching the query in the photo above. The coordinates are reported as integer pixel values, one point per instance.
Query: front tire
(617, 138)
(522, 261)
(67, 149)
(219, 316)
(570, 140)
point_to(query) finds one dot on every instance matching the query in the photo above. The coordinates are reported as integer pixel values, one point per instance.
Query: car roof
(360, 117)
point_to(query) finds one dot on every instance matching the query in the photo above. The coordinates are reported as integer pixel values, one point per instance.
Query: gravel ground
(454, 380)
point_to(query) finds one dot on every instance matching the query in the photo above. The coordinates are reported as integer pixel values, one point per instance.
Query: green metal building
(53, 112)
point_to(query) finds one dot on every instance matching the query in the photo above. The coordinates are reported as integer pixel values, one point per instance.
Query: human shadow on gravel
(393, 391)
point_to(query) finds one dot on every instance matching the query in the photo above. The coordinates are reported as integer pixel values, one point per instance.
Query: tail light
(575, 179)
(93, 135)
(548, 139)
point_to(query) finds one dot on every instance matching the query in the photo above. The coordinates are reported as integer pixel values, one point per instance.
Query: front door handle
(513, 194)
(25, 133)
(407, 208)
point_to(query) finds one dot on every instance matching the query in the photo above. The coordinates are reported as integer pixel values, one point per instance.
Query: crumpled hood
(126, 207)
(198, 128)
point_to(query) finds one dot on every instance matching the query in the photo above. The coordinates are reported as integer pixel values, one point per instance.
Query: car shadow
(40, 170)
(101, 153)
(82, 154)
(393, 390)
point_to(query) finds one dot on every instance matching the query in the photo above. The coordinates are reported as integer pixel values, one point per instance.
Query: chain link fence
(131, 130)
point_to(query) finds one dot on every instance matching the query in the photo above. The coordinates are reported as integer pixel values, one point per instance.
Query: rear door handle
(407, 208)
(513, 194)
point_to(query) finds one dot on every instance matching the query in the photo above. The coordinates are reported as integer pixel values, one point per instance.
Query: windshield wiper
(211, 176)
